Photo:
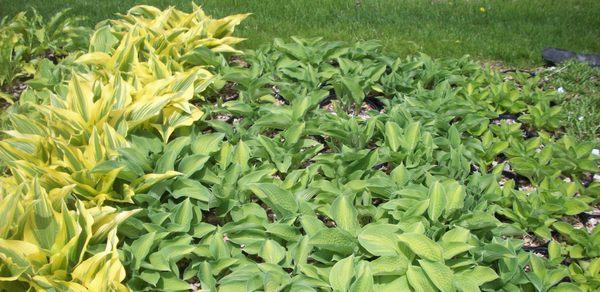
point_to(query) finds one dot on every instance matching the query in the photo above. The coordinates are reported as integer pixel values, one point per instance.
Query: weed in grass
(580, 87)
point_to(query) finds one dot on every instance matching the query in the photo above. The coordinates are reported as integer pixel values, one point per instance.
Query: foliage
(78, 123)
(28, 38)
(305, 165)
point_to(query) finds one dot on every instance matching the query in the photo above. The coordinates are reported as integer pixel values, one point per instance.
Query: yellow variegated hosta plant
(44, 244)
(175, 33)
(135, 81)
(135, 78)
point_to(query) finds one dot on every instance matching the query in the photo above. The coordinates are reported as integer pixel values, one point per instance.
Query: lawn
(513, 32)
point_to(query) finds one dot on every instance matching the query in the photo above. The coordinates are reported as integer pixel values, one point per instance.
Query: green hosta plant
(543, 116)
(585, 275)
(28, 38)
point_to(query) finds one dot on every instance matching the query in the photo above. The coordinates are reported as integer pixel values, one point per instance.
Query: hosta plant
(28, 38)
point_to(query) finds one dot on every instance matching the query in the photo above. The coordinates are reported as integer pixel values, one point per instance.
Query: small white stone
(561, 90)
(595, 151)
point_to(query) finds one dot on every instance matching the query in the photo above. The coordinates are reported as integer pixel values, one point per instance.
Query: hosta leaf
(457, 234)
(353, 87)
(103, 269)
(411, 135)
(277, 198)
(80, 97)
(183, 214)
(102, 40)
(190, 188)
(43, 222)
(341, 274)
(241, 154)
(17, 257)
(335, 240)
(172, 151)
(422, 246)
(271, 252)
(149, 180)
(141, 247)
(452, 249)
(364, 278)
(393, 134)
(150, 277)
(344, 214)
(389, 265)
(380, 239)
(470, 280)
(440, 274)
(192, 163)
(437, 201)
(455, 196)
(418, 279)
(170, 282)
(575, 206)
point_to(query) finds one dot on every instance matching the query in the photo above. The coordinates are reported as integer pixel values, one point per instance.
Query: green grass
(513, 32)
(581, 84)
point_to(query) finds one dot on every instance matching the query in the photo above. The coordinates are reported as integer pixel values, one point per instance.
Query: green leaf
(418, 280)
(170, 282)
(282, 201)
(190, 188)
(440, 274)
(389, 265)
(192, 163)
(207, 143)
(271, 252)
(167, 160)
(364, 279)
(411, 136)
(140, 249)
(341, 274)
(183, 215)
(470, 280)
(344, 214)
(422, 246)
(380, 239)
(457, 234)
(335, 240)
(241, 155)
(575, 206)
(150, 277)
(437, 201)
(455, 196)
(393, 133)
(353, 87)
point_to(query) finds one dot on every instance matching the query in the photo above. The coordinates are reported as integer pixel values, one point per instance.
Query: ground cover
(162, 157)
